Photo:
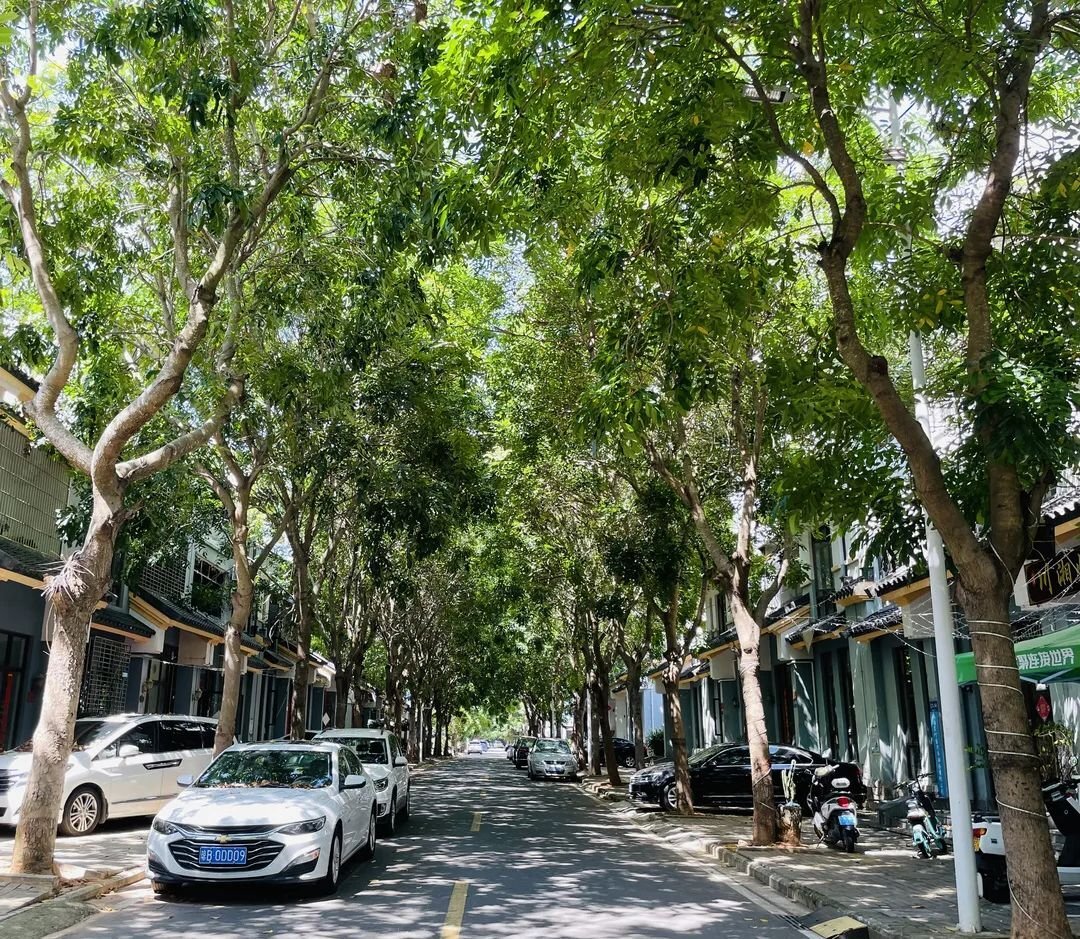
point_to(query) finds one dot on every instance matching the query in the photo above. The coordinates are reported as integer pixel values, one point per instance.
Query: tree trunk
(595, 767)
(343, 682)
(242, 597)
(634, 705)
(429, 718)
(757, 737)
(577, 734)
(684, 800)
(74, 594)
(603, 695)
(1033, 878)
(305, 595)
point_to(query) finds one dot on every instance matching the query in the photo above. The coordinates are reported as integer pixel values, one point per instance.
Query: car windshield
(87, 732)
(552, 746)
(268, 769)
(369, 749)
(700, 756)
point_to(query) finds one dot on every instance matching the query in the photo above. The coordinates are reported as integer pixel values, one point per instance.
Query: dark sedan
(624, 752)
(521, 751)
(720, 775)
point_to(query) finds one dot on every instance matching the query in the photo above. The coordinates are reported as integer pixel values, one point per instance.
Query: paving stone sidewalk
(882, 884)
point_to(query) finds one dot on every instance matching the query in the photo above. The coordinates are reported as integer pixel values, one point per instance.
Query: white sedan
(266, 812)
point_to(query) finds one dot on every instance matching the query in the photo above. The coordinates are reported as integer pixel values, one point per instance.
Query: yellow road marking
(476, 821)
(456, 913)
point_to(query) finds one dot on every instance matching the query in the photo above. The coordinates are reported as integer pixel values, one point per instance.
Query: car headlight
(381, 784)
(304, 828)
(164, 827)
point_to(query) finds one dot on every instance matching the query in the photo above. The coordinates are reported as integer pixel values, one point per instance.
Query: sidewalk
(88, 867)
(881, 885)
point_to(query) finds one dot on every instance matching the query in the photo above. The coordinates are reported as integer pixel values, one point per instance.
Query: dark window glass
(283, 769)
(350, 765)
(207, 731)
(144, 737)
(181, 735)
(735, 756)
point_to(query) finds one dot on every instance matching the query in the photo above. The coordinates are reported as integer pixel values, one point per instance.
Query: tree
(177, 82)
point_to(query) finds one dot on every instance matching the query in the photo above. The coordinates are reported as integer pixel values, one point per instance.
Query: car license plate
(215, 856)
(847, 819)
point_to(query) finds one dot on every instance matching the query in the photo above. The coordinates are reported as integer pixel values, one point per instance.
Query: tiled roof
(897, 579)
(183, 614)
(274, 659)
(22, 559)
(13, 369)
(885, 618)
(821, 627)
(1063, 506)
(257, 663)
(787, 609)
(125, 622)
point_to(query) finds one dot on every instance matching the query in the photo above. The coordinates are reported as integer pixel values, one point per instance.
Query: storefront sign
(1053, 579)
(937, 737)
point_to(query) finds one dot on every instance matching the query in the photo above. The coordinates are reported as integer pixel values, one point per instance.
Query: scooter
(835, 821)
(926, 832)
(1063, 807)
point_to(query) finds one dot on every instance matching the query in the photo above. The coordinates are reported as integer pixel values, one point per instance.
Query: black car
(521, 751)
(720, 775)
(624, 752)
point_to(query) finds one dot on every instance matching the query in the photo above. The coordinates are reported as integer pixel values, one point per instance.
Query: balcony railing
(33, 490)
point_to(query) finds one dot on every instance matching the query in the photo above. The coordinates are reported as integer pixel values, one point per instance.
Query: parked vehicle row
(121, 766)
(720, 775)
(280, 812)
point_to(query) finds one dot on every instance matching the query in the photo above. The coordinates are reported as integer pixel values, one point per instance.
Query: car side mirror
(354, 781)
(127, 750)
(401, 761)
(184, 781)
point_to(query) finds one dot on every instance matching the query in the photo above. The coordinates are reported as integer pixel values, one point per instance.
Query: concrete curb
(743, 860)
(67, 908)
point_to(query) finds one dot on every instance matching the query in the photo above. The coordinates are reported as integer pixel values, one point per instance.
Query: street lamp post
(952, 718)
(967, 891)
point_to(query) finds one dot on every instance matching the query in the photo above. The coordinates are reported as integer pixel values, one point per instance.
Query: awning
(115, 620)
(1053, 657)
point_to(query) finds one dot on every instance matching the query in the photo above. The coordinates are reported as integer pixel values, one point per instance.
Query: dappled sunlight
(545, 861)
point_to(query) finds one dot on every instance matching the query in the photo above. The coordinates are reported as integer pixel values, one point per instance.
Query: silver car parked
(552, 759)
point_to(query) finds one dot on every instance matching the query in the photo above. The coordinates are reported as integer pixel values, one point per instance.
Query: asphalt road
(486, 855)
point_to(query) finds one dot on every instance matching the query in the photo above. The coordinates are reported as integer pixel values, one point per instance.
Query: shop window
(12, 664)
(785, 696)
(828, 691)
(909, 721)
(847, 697)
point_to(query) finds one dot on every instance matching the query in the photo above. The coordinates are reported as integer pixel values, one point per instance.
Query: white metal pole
(952, 721)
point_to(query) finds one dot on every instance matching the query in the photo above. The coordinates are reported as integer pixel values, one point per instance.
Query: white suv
(386, 763)
(120, 766)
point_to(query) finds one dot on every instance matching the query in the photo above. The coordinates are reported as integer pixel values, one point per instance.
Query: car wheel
(995, 889)
(82, 812)
(329, 884)
(367, 852)
(667, 797)
(628, 761)
(406, 813)
(390, 822)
